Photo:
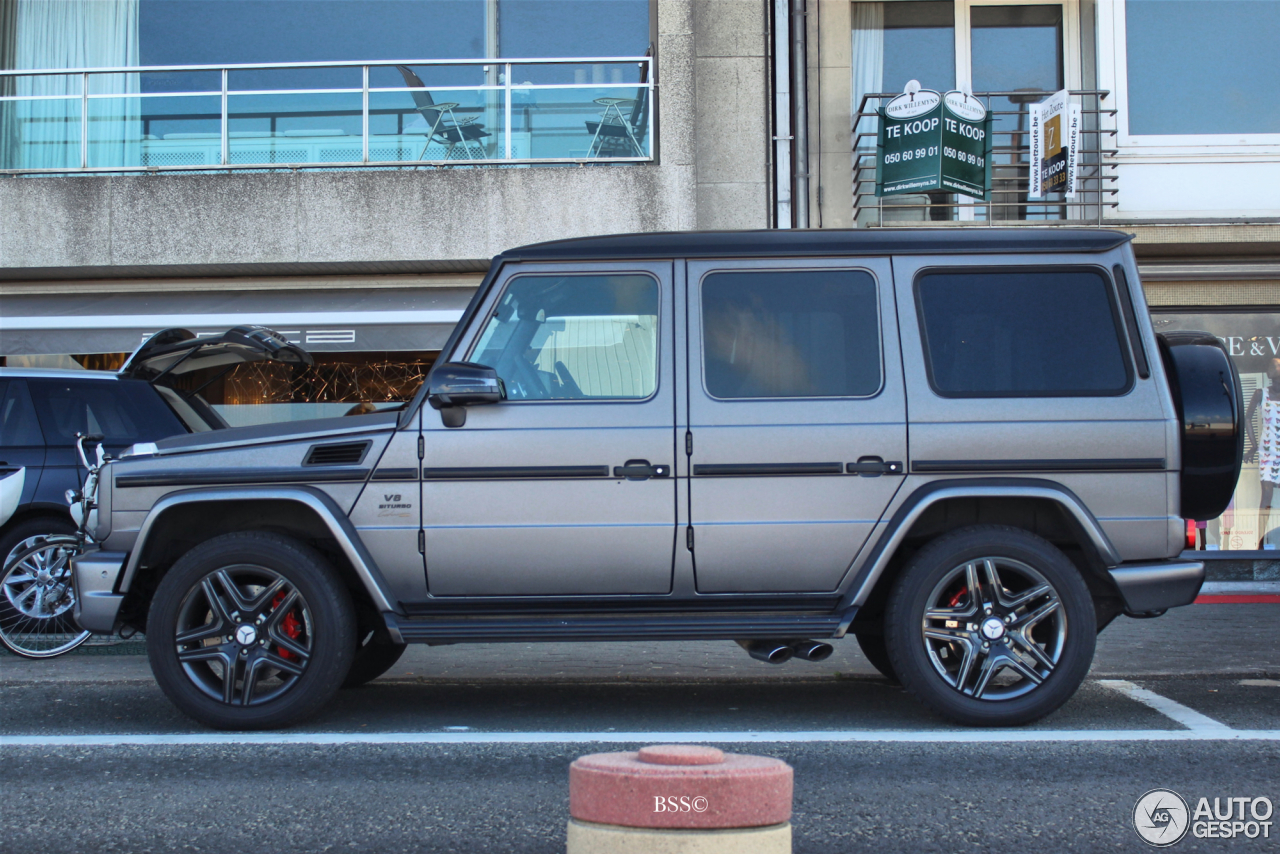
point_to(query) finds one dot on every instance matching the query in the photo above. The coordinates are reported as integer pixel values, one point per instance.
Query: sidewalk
(1227, 639)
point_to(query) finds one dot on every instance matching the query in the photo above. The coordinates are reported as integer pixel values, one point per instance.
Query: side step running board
(598, 627)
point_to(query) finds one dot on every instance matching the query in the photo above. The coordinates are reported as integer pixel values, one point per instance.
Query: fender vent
(344, 454)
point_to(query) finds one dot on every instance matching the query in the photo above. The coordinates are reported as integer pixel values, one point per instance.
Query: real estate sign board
(1055, 139)
(929, 141)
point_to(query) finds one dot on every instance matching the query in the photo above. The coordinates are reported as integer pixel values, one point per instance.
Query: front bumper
(1156, 586)
(93, 575)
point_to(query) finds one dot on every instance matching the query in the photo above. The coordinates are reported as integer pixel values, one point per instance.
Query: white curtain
(868, 57)
(78, 34)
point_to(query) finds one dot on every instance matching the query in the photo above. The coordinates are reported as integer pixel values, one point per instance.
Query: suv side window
(123, 411)
(794, 333)
(1021, 333)
(562, 337)
(18, 427)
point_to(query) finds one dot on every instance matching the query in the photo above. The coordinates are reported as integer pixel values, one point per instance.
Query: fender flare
(1085, 526)
(318, 502)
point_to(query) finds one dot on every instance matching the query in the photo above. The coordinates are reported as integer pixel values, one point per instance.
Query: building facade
(342, 171)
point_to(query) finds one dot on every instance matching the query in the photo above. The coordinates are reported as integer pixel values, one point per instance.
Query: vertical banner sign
(966, 145)
(929, 141)
(908, 147)
(1055, 141)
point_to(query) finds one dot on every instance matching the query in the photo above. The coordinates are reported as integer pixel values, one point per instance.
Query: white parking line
(970, 736)
(1189, 718)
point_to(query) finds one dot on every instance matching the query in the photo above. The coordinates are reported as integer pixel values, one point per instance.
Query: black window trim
(1116, 319)
(776, 268)
(1131, 321)
(500, 291)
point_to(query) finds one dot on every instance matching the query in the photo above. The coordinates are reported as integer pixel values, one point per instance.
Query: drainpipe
(782, 137)
(800, 113)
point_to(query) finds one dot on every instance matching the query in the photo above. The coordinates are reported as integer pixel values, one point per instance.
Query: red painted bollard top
(680, 786)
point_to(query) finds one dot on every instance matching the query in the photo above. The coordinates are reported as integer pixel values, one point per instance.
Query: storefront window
(1203, 66)
(270, 392)
(1252, 338)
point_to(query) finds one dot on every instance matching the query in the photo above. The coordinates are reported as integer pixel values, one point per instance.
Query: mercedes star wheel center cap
(992, 628)
(246, 635)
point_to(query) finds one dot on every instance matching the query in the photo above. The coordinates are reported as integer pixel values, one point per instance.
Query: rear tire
(251, 631)
(1009, 653)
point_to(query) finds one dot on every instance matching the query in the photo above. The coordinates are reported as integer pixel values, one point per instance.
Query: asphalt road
(466, 748)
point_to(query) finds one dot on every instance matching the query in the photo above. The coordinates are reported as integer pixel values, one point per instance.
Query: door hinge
(688, 443)
(422, 447)
(422, 542)
(688, 538)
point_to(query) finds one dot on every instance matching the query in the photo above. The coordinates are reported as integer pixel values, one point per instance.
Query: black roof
(821, 242)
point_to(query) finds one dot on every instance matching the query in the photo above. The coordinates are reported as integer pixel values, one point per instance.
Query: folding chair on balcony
(617, 134)
(443, 124)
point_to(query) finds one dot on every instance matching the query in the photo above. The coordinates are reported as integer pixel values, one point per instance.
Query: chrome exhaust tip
(773, 652)
(811, 650)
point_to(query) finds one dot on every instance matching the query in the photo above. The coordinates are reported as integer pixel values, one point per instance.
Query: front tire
(991, 625)
(250, 631)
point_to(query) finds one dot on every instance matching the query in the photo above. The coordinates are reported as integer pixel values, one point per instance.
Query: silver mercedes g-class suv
(968, 448)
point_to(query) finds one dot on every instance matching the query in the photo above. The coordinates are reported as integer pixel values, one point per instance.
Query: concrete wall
(711, 174)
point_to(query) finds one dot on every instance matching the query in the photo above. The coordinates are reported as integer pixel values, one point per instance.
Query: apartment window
(1202, 66)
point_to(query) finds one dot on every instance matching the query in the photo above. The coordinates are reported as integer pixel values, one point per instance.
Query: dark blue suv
(42, 411)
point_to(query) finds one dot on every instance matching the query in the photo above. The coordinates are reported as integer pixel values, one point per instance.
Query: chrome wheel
(994, 628)
(37, 598)
(244, 635)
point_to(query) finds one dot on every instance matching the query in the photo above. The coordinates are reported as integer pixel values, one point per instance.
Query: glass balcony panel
(455, 124)
(180, 81)
(159, 132)
(390, 76)
(296, 128)
(596, 122)
(258, 79)
(42, 133)
(582, 74)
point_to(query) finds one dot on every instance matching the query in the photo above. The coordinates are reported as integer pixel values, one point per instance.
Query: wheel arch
(184, 519)
(1043, 507)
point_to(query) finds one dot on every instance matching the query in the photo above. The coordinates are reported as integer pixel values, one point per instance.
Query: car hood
(288, 431)
(177, 352)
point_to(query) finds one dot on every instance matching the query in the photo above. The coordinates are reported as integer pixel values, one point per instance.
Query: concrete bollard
(679, 799)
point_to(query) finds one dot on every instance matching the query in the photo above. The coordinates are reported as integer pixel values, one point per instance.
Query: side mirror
(455, 385)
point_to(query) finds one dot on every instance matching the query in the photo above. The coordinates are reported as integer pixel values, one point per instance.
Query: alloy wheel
(244, 635)
(35, 611)
(994, 628)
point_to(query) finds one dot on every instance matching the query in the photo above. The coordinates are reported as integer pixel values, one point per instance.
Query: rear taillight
(1191, 534)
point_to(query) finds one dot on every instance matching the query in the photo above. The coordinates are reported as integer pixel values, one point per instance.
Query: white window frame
(1113, 74)
(1071, 72)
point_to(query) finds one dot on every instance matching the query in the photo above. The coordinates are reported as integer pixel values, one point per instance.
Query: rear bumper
(94, 576)
(1159, 585)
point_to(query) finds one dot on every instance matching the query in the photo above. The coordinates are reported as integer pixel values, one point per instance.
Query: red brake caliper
(290, 625)
(955, 600)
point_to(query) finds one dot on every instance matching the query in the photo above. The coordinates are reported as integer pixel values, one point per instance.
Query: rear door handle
(640, 470)
(873, 467)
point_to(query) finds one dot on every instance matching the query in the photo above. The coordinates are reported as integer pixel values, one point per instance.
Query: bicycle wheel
(36, 600)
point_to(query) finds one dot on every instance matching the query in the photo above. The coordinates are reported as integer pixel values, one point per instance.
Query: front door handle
(640, 470)
(873, 467)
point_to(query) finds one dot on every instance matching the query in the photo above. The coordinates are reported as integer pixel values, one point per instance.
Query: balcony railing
(331, 115)
(1096, 180)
